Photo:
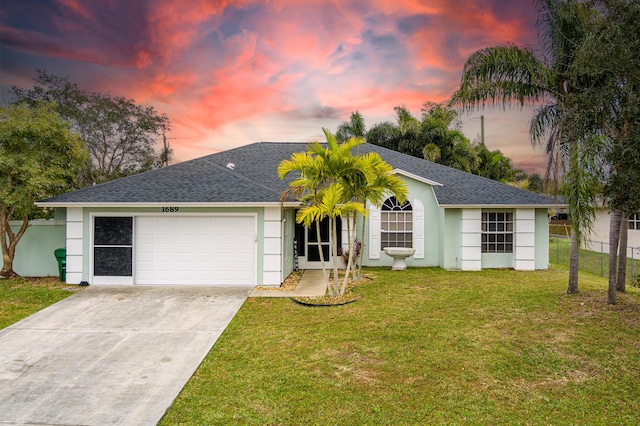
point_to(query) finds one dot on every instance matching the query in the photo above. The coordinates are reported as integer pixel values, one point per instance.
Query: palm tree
(306, 186)
(373, 186)
(334, 183)
(319, 185)
(502, 75)
(354, 128)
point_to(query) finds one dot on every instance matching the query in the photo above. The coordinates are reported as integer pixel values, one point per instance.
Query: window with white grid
(634, 221)
(396, 224)
(497, 232)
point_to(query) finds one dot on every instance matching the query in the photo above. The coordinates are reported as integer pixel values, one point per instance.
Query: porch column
(75, 231)
(471, 240)
(272, 247)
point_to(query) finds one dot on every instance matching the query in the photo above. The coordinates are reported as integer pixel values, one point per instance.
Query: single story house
(218, 220)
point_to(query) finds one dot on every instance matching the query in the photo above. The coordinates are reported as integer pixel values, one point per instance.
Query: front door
(307, 243)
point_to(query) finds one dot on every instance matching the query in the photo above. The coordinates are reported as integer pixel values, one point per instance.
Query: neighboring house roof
(254, 180)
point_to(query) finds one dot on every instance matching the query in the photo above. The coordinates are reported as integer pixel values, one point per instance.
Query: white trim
(374, 232)
(163, 204)
(502, 206)
(415, 177)
(470, 236)
(524, 247)
(418, 229)
(74, 243)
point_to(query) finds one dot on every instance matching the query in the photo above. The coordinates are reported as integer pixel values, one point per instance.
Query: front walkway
(311, 284)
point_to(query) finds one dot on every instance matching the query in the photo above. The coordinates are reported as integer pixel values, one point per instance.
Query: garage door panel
(217, 250)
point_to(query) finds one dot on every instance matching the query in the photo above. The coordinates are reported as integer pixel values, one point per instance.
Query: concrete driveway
(110, 355)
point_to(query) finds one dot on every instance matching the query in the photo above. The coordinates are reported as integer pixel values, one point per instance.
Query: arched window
(396, 224)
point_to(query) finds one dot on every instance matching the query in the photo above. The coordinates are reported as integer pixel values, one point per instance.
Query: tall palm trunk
(362, 245)
(622, 255)
(614, 241)
(321, 253)
(351, 231)
(335, 290)
(573, 263)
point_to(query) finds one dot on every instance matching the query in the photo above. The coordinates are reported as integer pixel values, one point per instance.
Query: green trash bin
(61, 257)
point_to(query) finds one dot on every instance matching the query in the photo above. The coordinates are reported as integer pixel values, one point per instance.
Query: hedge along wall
(34, 253)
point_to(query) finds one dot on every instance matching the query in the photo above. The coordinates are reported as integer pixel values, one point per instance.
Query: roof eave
(501, 206)
(163, 204)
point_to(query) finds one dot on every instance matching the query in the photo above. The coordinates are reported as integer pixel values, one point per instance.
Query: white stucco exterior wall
(524, 250)
(470, 240)
(272, 257)
(75, 230)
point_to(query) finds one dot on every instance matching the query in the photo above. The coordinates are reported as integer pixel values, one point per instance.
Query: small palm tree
(334, 183)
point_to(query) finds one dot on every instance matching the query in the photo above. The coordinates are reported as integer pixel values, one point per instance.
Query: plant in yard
(39, 158)
(334, 183)
(608, 109)
(508, 74)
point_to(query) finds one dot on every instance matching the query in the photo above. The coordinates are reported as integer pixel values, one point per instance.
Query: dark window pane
(112, 261)
(113, 231)
(324, 229)
(313, 254)
(300, 238)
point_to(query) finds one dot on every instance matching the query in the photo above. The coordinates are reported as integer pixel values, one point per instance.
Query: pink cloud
(232, 72)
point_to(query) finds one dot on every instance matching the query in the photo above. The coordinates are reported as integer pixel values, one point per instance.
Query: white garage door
(199, 250)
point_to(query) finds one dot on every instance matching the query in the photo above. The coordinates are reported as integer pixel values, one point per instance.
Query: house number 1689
(170, 209)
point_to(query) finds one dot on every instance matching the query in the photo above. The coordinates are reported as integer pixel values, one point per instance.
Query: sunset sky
(229, 73)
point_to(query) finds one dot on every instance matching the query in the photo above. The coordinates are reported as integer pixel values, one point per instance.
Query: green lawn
(594, 262)
(427, 346)
(21, 297)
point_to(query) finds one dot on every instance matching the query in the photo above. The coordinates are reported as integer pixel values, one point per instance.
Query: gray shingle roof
(255, 180)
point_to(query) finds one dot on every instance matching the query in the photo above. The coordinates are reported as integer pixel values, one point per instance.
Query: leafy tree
(39, 158)
(385, 134)
(493, 164)
(536, 183)
(508, 74)
(608, 107)
(439, 129)
(119, 134)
